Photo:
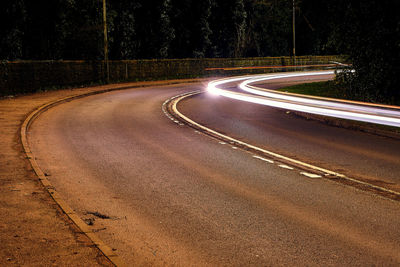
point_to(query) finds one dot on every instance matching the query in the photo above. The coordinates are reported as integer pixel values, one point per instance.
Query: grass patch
(324, 89)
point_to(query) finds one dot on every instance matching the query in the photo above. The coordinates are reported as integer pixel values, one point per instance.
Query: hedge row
(30, 76)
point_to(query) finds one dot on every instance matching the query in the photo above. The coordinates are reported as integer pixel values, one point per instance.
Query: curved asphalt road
(173, 196)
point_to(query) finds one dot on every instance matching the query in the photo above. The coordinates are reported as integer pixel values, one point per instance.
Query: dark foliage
(367, 31)
(12, 29)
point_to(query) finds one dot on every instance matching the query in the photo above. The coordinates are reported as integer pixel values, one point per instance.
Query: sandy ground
(33, 229)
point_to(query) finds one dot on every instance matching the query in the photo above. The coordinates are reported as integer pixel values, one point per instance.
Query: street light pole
(106, 42)
(294, 32)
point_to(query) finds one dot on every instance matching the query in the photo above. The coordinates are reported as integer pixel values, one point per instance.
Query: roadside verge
(33, 228)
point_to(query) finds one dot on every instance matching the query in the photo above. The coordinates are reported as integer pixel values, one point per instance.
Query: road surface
(162, 193)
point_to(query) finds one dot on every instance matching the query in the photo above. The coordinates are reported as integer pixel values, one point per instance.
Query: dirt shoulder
(34, 231)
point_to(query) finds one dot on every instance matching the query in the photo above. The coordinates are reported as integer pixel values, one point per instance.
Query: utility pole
(294, 32)
(106, 42)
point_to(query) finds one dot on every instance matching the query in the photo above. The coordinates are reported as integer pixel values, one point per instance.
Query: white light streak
(367, 112)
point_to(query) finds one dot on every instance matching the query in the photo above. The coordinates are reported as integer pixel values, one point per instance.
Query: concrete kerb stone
(105, 250)
(45, 182)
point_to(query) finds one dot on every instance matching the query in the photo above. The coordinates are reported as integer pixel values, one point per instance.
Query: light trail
(351, 110)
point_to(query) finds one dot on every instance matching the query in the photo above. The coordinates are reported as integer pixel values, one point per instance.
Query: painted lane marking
(311, 175)
(222, 143)
(211, 132)
(233, 141)
(284, 166)
(263, 159)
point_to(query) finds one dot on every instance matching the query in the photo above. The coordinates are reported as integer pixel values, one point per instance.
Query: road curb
(104, 248)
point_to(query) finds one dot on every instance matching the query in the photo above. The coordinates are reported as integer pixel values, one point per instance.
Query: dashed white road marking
(311, 175)
(279, 156)
(285, 166)
(233, 141)
(234, 147)
(222, 143)
(263, 159)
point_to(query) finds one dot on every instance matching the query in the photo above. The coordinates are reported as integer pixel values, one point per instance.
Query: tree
(228, 20)
(369, 32)
(83, 26)
(42, 31)
(269, 28)
(13, 14)
(153, 29)
(190, 19)
(314, 24)
(122, 25)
